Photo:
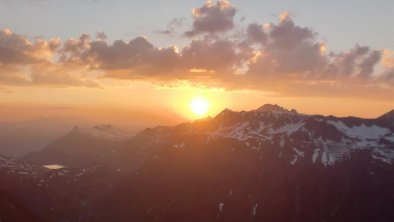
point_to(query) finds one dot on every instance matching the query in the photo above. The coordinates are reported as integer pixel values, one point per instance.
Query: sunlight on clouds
(197, 70)
(388, 58)
(284, 16)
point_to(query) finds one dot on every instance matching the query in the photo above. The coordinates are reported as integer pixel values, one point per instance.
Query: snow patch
(221, 205)
(294, 160)
(179, 145)
(383, 154)
(298, 152)
(362, 131)
(255, 208)
(289, 129)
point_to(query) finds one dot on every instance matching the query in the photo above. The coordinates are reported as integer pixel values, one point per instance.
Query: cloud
(212, 18)
(216, 55)
(286, 50)
(101, 36)
(290, 60)
(172, 26)
(136, 57)
(23, 62)
(282, 57)
(359, 61)
(256, 34)
(17, 49)
(139, 59)
(388, 58)
(388, 63)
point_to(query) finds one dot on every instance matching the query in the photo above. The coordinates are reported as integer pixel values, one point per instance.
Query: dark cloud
(367, 64)
(255, 33)
(139, 58)
(216, 55)
(359, 61)
(212, 18)
(287, 50)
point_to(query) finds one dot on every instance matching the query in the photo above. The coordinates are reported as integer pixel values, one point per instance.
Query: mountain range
(268, 164)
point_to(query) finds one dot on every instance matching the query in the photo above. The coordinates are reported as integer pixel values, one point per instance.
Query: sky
(142, 62)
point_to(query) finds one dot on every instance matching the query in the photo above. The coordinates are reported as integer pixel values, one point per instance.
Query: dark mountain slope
(12, 210)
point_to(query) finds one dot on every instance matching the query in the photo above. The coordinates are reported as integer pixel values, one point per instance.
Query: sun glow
(199, 106)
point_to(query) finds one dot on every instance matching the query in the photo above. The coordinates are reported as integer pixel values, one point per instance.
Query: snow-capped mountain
(327, 139)
(331, 138)
(268, 164)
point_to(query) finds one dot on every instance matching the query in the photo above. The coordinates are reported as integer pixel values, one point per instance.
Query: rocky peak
(274, 108)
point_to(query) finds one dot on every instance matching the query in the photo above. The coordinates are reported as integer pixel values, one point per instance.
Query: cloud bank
(280, 56)
(23, 62)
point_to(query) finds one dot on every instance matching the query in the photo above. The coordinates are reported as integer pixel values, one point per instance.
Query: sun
(199, 106)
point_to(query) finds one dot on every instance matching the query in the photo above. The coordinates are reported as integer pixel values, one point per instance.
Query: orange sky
(143, 104)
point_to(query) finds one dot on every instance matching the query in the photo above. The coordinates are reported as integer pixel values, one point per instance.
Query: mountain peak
(273, 108)
(226, 111)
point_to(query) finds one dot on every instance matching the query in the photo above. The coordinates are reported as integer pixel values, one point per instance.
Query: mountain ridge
(270, 164)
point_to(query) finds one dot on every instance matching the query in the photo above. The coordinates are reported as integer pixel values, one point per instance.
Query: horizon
(133, 127)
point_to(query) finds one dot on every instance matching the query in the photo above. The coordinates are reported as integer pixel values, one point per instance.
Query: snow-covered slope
(327, 139)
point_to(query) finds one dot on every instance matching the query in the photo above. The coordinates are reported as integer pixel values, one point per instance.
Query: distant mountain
(82, 147)
(19, 138)
(269, 164)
